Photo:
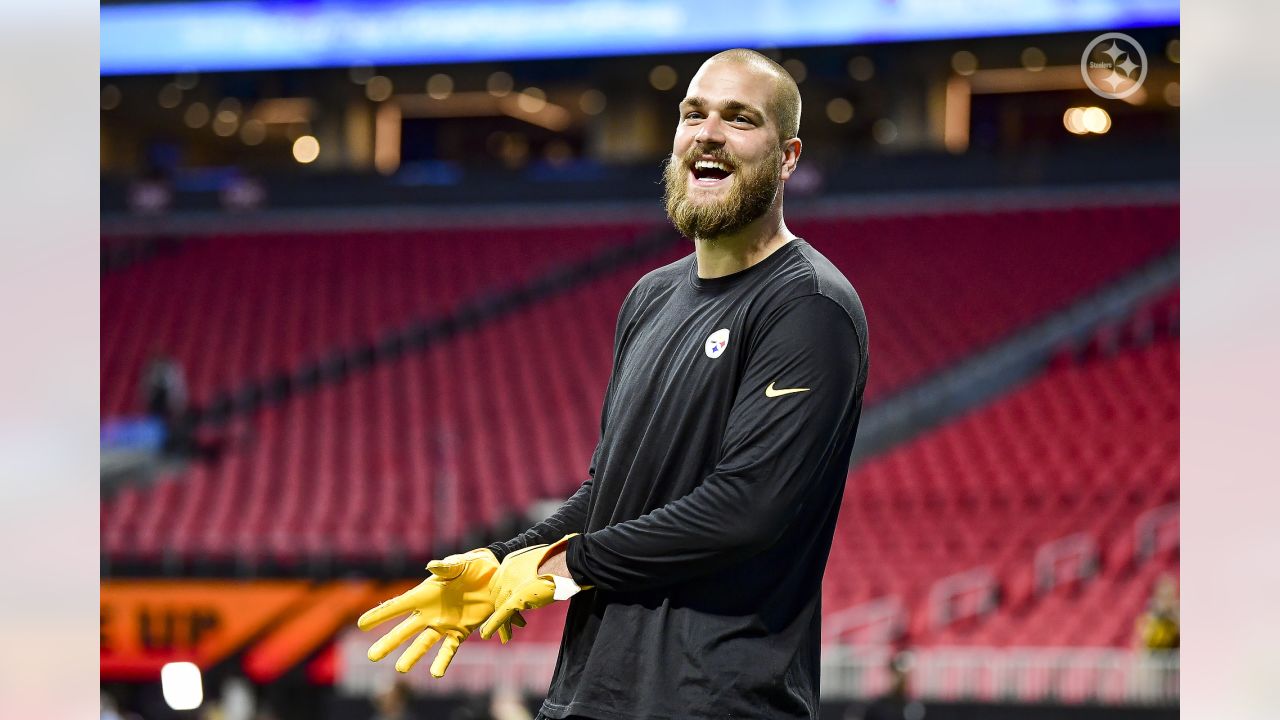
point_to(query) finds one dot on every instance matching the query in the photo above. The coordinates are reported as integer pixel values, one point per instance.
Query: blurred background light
(964, 62)
(169, 96)
(225, 124)
(592, 102)
(662, 77)
(181, 685)
(439, 86)
(500, 84)
(1096, 120)
(1086, 120)
(839, 110)
(378, 88)
(306, 149)
(197, 115)
(885, 131)
(532, 100)
(1073, 121)
(861, 68)
(253, 132)
(111, 97)
(231, 106)
(360, 74)
(796, 68)
(1033, 59)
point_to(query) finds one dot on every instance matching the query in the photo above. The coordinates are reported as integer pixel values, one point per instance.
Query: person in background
(506, 704)
(1158, 627)
(164, 395)
(895, 704)
(393, 703)
(1157, 636)
(109, 711)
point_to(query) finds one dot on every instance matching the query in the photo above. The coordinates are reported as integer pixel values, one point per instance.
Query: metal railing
(1109, 676)
(1077, 554)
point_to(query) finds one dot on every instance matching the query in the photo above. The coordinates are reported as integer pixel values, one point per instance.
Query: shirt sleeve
(570, 517)
(789, 417)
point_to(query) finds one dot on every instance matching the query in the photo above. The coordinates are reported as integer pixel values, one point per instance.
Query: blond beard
(750, 197)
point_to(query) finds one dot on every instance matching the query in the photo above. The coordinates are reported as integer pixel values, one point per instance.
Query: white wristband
(565, 588)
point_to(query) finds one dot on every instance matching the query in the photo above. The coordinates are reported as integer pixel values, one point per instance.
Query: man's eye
(742, 119)
(691, 115)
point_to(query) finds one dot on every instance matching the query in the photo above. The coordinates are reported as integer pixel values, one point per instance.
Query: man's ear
(790, 156)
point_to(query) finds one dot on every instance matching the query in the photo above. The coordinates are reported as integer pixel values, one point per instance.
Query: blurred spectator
(109, 709)
(1157, 633)
(237, 699)
(1158, 628)
(894, 704)
(393, 703)
(473, 708)
(507, 705)
(164, 388)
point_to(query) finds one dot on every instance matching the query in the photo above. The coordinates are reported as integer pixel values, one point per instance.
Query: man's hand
(450, 604)
(524, 583)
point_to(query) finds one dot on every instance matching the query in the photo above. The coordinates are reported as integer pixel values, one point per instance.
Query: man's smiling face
(726, 163)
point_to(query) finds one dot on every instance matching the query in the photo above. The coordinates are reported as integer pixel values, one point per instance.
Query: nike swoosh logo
(771, 392)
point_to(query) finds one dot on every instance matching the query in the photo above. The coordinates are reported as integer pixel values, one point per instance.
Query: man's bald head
(785, 102)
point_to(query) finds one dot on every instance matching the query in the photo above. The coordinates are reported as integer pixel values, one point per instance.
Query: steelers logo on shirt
(717, 342)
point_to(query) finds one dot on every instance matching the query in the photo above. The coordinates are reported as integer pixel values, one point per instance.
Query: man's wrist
(557, 565)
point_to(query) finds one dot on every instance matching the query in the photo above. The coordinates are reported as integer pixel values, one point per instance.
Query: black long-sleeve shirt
(712, 495)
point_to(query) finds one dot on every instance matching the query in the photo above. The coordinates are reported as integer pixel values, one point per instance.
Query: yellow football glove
(451, 604)
(518, 586)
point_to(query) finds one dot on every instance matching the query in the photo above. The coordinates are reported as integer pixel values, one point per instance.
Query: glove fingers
(417, 649)
(504, 632)
(396, 636)
(388, 609)
(497, 620)
(448, 568)
(447, 650)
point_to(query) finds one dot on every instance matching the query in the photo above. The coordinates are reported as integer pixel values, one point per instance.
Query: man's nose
(710, 132)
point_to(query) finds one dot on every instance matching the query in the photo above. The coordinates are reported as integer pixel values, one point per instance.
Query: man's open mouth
(710, 172)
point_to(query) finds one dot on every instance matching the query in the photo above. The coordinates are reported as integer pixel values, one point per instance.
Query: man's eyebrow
(698, 102)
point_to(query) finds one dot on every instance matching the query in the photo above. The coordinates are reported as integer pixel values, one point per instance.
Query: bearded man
(695, 549)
